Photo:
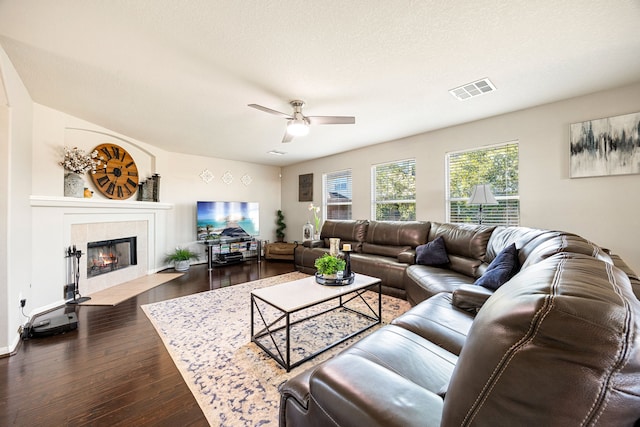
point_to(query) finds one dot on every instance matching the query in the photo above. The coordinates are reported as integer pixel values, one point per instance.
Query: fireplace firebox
(110, 255)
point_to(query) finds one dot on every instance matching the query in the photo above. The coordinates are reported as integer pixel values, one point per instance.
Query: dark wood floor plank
(114, 369)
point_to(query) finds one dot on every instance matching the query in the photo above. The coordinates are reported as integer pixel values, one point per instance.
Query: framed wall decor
(604, 147)
(305, 187)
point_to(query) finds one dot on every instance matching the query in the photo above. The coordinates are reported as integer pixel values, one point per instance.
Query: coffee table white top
(291, 296)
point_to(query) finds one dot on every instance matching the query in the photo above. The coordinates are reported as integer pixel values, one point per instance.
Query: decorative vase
(182, 265)
(73, 185)
(307, 231)
(334, 245)
(316, 235)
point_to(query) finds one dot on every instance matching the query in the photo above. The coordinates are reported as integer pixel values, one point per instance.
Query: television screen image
(228, 219)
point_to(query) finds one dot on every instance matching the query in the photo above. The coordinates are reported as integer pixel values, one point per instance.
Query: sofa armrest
(470, 297)
(407, 257)
(313, 243)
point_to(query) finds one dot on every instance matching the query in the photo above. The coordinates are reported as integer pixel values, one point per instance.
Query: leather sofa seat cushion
(438, 321)
(389, 270)
(395, 379)
(560, 339)
(423, 281)
(409, 356)
(398, 233)
(348, 231)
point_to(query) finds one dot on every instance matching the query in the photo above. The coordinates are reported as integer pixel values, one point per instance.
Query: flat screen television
(228, 219)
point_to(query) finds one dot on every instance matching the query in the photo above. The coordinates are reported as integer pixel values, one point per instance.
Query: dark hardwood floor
(113, 370)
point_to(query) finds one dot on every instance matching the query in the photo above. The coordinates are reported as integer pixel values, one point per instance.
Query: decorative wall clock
(117, 178)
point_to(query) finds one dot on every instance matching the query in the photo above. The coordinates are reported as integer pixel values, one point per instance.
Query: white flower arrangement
(316, 211)
(77, 161)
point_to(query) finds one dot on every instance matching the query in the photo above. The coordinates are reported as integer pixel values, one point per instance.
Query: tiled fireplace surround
(81, 234)
(67, 222)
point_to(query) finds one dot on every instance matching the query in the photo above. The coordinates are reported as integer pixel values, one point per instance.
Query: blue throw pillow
(433, 253)
(501, 269)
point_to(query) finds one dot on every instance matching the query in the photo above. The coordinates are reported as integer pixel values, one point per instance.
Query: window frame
(508, 211)
(325, 193)
(409, 162)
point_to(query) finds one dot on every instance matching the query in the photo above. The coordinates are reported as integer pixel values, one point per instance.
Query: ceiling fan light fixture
(297, 127)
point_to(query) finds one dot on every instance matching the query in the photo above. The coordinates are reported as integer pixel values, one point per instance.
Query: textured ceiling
(179, 74)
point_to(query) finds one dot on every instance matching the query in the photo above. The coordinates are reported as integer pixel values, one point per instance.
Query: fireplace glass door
(110, 255)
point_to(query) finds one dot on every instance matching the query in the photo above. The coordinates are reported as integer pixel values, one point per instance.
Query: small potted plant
(281, 226)
(181, 257)
(328, 266)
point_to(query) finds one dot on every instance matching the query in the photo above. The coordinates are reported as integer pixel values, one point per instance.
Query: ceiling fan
(298, 123)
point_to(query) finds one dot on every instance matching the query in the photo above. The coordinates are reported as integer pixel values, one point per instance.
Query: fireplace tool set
(74, 255)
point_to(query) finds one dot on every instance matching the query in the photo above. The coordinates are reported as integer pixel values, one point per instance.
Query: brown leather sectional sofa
(557, 344)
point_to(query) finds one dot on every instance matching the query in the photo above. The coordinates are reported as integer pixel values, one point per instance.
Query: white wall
(604, 210)
(15, 213)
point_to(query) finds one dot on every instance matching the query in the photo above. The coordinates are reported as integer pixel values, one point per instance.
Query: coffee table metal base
(282, 353)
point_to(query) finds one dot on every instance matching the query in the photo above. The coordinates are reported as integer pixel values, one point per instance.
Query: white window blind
(337, 194)
(394, 191)
(497, 166)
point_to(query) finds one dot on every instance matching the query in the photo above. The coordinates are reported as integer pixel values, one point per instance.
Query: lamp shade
(481, 195)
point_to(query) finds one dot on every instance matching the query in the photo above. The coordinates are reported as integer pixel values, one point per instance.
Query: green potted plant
(181, 257)
(281, 226)
(328, 265)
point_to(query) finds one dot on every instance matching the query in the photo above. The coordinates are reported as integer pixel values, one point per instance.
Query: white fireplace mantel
(63, 219)
(75, 202)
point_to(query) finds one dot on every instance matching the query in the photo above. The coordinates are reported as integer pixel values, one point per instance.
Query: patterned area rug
(208, 335)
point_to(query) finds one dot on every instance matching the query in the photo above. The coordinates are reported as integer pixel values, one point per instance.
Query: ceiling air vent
(470, 90)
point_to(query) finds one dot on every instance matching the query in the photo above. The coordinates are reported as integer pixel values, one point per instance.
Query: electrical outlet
(23, 302)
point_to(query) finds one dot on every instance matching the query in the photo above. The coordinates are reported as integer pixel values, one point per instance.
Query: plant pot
(182, 265)
(73, 185)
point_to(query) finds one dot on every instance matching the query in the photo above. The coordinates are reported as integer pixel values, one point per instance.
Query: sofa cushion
(438, 321)
(554, 242)
(501, 269)
(504, 236)
(432, 253)
(466, 245)
(398, 233)
(423, 281)
(348, 231)
(387, 269)
(392, 378)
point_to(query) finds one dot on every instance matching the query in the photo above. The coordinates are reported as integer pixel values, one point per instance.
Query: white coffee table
(300, 295)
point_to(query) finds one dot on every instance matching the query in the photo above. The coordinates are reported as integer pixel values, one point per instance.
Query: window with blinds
(394, 191)
(337, 194)
(497, 166)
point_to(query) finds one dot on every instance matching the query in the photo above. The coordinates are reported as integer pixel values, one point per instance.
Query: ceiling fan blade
(331, 120)
(287, 137)
(269, 110)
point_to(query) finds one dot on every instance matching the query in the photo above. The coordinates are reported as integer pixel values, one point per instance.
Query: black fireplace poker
(76, 254)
